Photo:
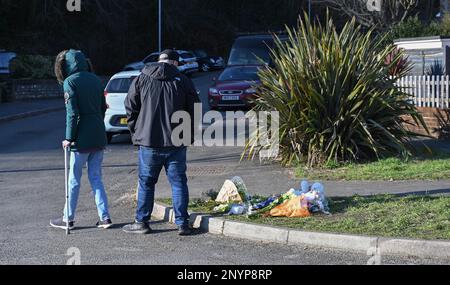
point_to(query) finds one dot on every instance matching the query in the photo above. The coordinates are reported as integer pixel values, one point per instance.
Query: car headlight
(213, 91)
(212, 60)
(250, 91)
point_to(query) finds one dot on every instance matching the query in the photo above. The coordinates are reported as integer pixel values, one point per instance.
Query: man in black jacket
(154, 96)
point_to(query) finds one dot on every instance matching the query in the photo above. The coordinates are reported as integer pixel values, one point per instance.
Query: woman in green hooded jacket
(85, 133)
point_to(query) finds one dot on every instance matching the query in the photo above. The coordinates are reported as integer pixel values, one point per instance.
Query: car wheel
(205, 67)
(109, 136)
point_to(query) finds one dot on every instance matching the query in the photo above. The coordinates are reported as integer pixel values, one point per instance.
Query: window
(251, 52)
(186, 55)
(240, 74)
(424, 61)
(120, 85)
(201, 53)
(5, 59)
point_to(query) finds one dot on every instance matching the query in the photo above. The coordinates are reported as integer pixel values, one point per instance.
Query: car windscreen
(5, 59)
(119, 85)
(186, 55)
(250, 52)
(243, 73)
(200, 53)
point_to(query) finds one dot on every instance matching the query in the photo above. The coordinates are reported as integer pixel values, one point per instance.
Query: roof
(424, 43)
(262, 37)
(244, 66)
(126, 74)
(421, 39)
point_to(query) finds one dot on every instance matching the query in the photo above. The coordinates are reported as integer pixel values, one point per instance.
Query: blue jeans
(151, 162)
(94, 162)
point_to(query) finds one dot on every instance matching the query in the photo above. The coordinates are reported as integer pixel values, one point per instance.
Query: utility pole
(309, 9)
(444, 7)
(160, 26)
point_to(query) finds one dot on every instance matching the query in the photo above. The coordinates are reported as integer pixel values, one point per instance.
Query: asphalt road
(32, 192)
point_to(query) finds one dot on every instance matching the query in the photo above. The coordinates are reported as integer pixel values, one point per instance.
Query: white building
(426, 53)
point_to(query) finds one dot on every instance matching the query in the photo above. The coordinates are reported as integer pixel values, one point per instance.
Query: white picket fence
(427, 91)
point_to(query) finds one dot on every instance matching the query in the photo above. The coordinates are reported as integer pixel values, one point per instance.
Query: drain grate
(206, 170)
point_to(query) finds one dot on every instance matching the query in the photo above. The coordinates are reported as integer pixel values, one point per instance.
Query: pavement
(28, 108)
(378, 246)
(32, 192)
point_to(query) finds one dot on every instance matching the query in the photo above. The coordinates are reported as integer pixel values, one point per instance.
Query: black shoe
(60, 224)
(184, 230)
(137, 228)
(105, 224)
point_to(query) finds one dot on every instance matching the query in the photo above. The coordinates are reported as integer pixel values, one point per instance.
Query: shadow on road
(60, 169)
(423, 193)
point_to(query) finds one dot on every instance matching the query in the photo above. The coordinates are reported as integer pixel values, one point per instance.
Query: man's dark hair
(60, 64)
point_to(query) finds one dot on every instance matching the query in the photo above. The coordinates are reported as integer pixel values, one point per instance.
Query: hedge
(32, 67)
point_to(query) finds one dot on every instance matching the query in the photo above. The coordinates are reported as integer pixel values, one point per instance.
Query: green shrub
(335, 97)
(413, 27)
(444, 26)
(32, 67)
(436, 68)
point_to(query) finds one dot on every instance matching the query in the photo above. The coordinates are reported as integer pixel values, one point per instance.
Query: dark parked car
(206, 62)
(252, 50)
(234, 87)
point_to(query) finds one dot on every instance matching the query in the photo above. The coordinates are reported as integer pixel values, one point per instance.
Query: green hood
(75, 62)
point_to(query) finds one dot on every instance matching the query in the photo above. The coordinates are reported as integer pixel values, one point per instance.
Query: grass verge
(418, 217)
(197, 206)
(390, 169)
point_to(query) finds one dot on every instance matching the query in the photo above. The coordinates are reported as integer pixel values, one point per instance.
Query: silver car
(188, 62)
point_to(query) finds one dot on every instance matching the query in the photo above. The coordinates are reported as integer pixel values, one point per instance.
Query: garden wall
(36, 89)
(431, 117)
(25, 89)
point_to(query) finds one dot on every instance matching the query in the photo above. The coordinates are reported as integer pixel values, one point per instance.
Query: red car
(234, 87)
